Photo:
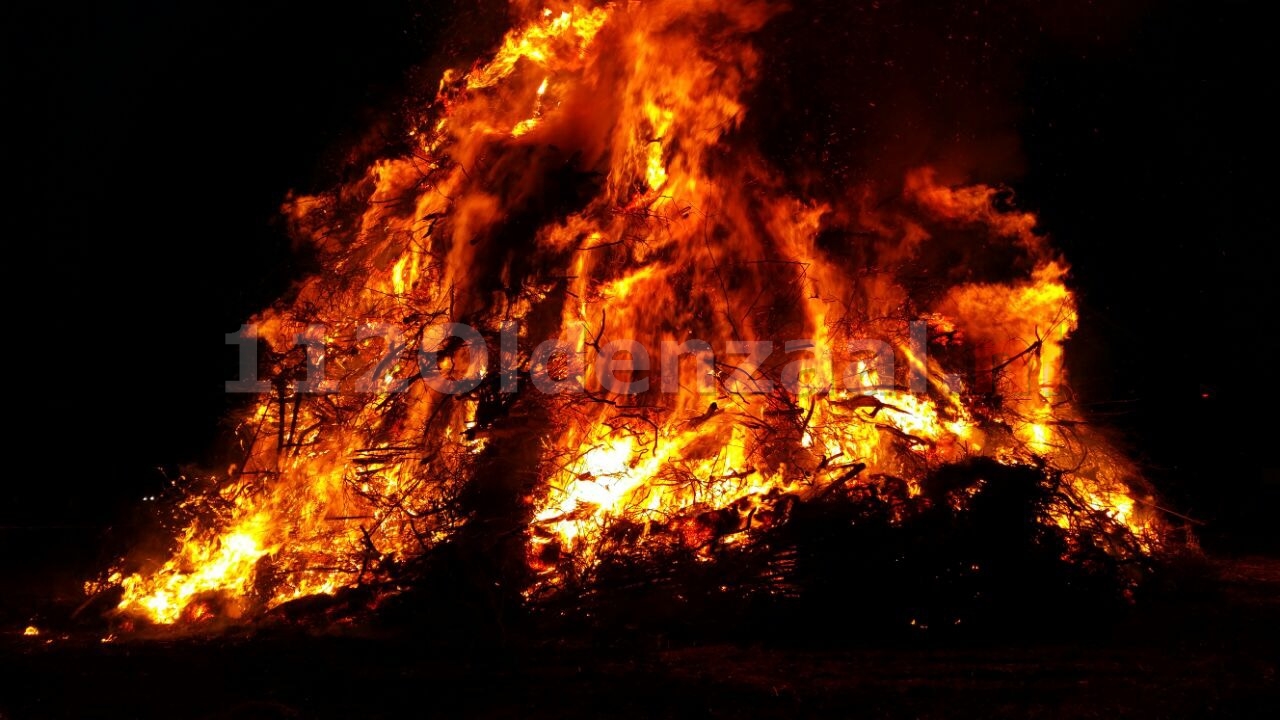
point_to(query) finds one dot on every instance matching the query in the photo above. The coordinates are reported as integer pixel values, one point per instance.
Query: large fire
(590, 184)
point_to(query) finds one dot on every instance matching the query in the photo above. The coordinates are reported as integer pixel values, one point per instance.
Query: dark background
(158, 140)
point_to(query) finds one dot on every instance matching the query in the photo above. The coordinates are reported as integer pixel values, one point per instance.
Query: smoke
(861, 92)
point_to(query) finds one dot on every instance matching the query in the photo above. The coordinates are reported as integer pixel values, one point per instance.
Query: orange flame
(680, 231)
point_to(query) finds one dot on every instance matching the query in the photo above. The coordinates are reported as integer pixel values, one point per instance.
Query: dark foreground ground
(1213, 651)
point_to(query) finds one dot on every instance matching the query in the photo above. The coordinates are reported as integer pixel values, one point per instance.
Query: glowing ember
(657, 226)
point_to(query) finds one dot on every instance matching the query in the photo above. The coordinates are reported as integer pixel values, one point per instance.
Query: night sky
(158, 140)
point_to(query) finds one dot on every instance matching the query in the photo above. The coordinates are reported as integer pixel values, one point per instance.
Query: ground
(1207, 651)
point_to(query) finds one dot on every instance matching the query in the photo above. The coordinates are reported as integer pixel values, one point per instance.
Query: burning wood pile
(577, 330)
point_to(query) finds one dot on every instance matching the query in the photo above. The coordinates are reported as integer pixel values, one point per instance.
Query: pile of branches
(972, 553)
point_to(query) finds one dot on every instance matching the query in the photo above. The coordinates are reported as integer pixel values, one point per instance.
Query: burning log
(867, 402)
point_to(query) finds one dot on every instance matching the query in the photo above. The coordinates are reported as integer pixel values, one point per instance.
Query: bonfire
(578, 324)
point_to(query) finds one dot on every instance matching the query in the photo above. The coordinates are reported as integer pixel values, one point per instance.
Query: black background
(158, 140)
